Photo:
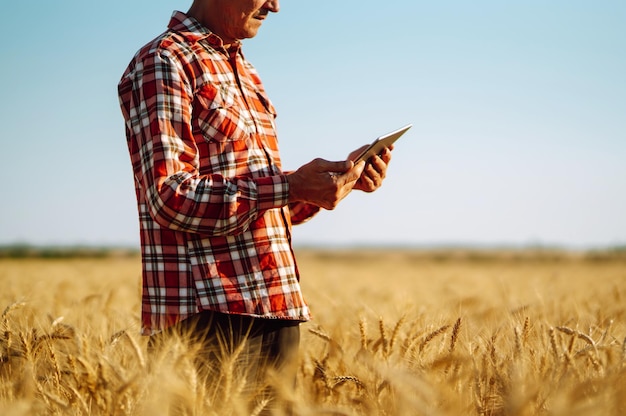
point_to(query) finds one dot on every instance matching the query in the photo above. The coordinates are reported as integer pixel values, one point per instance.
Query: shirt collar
(193, 31)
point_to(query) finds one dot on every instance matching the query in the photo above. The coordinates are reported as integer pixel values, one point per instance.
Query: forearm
(213, 205)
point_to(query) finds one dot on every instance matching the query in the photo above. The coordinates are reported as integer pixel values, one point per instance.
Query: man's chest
(232, 118)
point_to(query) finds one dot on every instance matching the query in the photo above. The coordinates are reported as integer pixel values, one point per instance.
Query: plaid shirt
(215, 220)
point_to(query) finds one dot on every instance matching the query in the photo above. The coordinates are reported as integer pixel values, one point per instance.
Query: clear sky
(519, 113)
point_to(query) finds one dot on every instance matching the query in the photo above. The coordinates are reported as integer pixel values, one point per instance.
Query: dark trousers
(255, 343)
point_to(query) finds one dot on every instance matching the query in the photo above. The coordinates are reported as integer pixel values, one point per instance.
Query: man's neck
(203, 15)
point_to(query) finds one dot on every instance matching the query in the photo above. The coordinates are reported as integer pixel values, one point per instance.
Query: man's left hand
(375, 170)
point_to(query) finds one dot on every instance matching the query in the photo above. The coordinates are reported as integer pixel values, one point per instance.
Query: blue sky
(519, 113)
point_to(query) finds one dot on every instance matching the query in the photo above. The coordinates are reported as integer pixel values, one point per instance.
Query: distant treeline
(24, 251)
(471, 254)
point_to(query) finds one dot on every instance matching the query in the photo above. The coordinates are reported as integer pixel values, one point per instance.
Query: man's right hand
(323, 183)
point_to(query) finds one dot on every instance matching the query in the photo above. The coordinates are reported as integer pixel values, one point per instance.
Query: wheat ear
(363, 332)
(525, 330)
(383, 337)
(553, 343)
(455, 335)
(394, 333)
(432, 335)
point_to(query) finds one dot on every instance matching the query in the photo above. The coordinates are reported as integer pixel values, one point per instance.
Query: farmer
(215, 207)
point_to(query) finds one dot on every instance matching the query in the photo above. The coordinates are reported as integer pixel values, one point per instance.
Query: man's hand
(375, 170)
(324, 183)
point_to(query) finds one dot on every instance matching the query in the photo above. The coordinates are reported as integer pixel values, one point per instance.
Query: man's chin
(250, 32)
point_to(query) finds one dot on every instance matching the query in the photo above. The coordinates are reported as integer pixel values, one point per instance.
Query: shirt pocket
(266, 102)
(265, 114)
(220, 115)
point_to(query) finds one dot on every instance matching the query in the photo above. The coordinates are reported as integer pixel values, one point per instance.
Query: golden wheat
(456, 333)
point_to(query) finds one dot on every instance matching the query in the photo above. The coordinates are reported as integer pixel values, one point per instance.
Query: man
(215, 207)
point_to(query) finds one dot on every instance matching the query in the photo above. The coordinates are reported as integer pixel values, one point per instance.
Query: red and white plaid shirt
(214, 214)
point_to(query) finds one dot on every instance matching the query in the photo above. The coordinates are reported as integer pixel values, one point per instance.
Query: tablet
(380, 143)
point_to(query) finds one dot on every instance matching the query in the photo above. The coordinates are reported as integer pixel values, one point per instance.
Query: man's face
(241, 19)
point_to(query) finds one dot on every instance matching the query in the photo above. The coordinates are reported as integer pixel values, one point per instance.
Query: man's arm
(156, 101)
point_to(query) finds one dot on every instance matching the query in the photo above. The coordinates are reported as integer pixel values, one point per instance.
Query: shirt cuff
(272, 191)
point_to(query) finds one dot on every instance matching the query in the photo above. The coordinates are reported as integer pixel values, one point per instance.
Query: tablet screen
(380, 143)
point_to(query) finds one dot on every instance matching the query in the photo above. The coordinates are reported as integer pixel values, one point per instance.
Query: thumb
(338, 167)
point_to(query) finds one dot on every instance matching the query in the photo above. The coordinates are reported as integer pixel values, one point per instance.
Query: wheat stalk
(606, 332)
(229, 359)
(55, 366)
(114, 339)
(343, 379)
(518, 341)
(569, 363)
(525, 331)
(455, 335)
(553, 343)
(566, 330)
(331, 342)
(136, 349)
(91, 373)
(6, 327)
(321, 334)
(576, 334)
(492, 347)
(11, 307)
(586, 338)
(56, 400)
(394, 333)
(261, 405)
(363, 333)
(570, 346)
(26, 347)
(76, 396)
(594, 360)
(320, 370)
(383, 337)
(432, 335)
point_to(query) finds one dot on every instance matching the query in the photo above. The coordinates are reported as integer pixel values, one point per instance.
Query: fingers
(385, 156)
(374, 172)
(376, 168)
(370, 180)
(343, 183)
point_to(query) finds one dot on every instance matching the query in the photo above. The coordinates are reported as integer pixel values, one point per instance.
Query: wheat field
(396, 332)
